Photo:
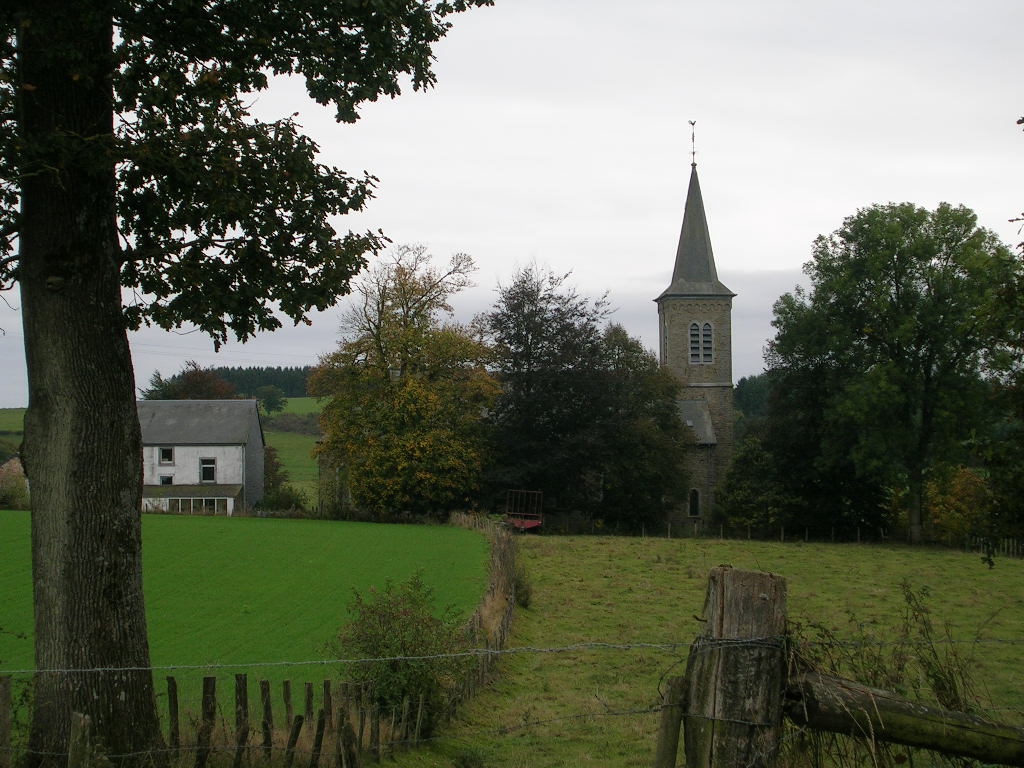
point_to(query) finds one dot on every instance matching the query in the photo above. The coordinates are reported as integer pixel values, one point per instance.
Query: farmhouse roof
(697, 416)
(694, 273)
(197, 422)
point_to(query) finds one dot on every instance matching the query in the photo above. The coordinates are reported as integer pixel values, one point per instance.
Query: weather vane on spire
(693, 143)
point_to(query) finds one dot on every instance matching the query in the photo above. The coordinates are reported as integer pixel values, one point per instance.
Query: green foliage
(295, 452)
(278, 494)
(271, 398)
(877, 371)
(405, 647)
(190, 383)
(585, 414)
(14, 493)
(406, 391)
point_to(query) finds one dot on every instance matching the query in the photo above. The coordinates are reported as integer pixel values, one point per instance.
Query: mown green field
(11, 427)
(295, 450)
(235, 591)
(564, 706)
(303, 405)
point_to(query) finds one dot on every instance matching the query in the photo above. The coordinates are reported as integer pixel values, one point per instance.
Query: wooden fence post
(209, 715)
(289, 711)
(309, 702)
(328, 705)
(6, 701)
(293, 739)
(241, 717)
(268, 718)
(736, 672)
(671, 720)
(318, 739)
(80, 741)
(174, 734)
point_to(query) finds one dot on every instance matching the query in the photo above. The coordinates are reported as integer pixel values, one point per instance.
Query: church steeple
(694, 273)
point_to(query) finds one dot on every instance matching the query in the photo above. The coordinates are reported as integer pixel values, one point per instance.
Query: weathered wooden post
(174, 735)
(241, 717)
(5, 721)
(267, 723)
(209, 716)
(80, 741)
(736, 672)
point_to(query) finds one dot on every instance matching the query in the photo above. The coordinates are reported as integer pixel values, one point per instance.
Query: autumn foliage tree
(406, 390)
(136, 187)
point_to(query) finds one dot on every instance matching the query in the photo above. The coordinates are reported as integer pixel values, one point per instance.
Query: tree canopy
(406, 390)
(585, 413)
(136, 187)
(878, 371)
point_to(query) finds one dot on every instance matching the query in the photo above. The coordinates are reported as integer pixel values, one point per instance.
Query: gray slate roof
(694, 273)
(197, 422)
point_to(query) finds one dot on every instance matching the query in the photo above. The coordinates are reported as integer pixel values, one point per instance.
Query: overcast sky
(558, 134)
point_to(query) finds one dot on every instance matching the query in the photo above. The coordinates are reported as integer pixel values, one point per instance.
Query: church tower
(695, 343)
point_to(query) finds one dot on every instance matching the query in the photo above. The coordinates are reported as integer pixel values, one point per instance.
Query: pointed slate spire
(695, 273)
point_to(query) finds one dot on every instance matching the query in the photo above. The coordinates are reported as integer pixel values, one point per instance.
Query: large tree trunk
(82, 446)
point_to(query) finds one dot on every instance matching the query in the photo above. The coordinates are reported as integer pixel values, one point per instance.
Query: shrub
(404, 649)
(13, 486)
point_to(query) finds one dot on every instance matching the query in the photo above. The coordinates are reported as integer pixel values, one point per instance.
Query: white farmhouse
(201, 456)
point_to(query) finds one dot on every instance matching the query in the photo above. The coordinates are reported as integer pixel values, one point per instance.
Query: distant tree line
(291, 380)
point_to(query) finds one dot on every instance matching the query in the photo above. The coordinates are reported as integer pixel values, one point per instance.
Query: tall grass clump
(400, 652)
(913, 658)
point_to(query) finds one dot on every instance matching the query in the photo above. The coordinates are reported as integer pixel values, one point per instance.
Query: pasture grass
(303, 405)
(590, 707)
(295, 451)
(236, 592)
(12, 420)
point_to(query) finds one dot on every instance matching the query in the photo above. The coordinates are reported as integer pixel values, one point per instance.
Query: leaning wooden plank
(844, 706)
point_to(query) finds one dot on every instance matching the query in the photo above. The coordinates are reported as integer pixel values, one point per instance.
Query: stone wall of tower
(711, 382)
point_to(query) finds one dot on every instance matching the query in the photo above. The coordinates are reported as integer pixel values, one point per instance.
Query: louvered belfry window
(694, 343)
(706, 344)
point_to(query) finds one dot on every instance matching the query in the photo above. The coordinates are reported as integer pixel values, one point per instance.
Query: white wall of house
(186, 464)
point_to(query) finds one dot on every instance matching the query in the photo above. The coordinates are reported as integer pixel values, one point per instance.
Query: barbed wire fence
(13, 748)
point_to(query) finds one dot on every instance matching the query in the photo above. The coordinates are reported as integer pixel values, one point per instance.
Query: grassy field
(11, 428)
(234, 591)
(573, 707)
(302, 405)
(633, 603)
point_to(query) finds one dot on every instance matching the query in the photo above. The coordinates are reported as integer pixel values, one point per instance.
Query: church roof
(697, 416)
(695, 273)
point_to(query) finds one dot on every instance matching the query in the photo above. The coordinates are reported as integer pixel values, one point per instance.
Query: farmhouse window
(166, 480)
(208, 470)
(166, 455)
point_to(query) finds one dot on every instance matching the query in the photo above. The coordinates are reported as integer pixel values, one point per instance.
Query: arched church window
(694, 343)
(694, 503)
(706, 344)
